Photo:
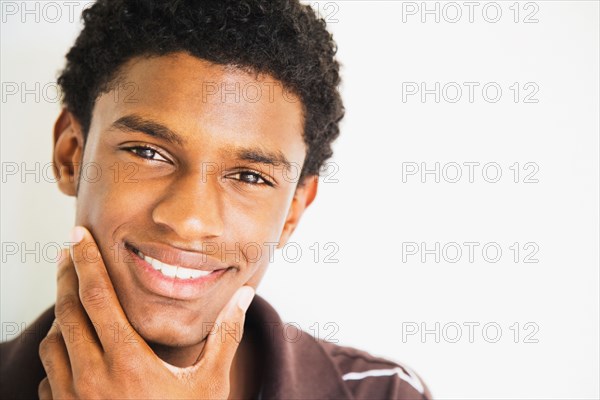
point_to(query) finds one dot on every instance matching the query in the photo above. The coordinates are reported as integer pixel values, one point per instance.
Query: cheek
(258, 224)
(106, 206)
(102, 202)
(256, 231)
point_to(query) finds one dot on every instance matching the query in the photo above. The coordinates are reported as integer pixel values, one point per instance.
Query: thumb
(223, 341)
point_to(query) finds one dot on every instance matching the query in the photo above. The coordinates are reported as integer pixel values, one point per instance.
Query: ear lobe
(68, 152)
(303, 197)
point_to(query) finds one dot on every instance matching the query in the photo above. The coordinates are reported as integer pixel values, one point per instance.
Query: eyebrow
(259, 155)
(136, 123)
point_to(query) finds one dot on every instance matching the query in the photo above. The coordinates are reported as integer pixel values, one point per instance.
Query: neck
(181, 357)
(244, 377)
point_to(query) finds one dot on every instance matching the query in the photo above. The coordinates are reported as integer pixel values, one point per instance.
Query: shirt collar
(295, 364)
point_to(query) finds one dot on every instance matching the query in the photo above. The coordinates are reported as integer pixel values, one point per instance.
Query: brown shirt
(296, 365)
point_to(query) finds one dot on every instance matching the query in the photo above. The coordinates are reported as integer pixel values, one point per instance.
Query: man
(205, 125)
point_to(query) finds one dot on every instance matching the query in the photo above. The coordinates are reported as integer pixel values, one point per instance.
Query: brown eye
(147, 153)
(251, 178)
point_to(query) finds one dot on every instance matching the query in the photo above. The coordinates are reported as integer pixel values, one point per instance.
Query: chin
(168, 328)
(170, 334)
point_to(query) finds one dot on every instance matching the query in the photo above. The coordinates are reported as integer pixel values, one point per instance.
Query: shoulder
(298, 365)
(370, 377)
(20, 367)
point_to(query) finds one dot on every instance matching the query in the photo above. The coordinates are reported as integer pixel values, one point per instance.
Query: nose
(191, 208)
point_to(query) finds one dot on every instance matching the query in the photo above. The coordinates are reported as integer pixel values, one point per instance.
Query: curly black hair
(282, 38)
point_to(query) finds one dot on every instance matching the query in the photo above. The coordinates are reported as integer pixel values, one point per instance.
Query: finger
(79, 336)
(224, 340)
(98, 296)
(44, 391)
(56, 363)
(54, 355)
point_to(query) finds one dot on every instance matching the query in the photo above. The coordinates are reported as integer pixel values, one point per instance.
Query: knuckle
(44, 389)
(96, 296)
(44, 349)
(47, 361)
(65, 305)
(231, 331)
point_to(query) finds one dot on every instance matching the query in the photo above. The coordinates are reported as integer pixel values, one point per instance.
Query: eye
(251, 178)
(147, 153)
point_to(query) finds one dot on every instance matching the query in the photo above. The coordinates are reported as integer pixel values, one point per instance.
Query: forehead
(205, 103)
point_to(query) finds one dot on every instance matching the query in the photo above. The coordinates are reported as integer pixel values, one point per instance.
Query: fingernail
(77, 234)
(244, 297)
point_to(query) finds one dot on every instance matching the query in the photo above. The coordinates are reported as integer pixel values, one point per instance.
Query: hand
(82, 359)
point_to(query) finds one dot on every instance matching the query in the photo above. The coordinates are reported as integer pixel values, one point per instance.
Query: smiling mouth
(172, 271)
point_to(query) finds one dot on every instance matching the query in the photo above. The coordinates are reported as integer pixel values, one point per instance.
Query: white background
(376, 291)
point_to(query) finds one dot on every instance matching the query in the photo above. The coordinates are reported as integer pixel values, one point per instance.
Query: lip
(174, 256)
(181, 289)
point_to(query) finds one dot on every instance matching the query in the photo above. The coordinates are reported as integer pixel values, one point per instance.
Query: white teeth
(173, 271)
(182, 273)
(196, 273)
(168, 270)
(155, 263)
(187, 273)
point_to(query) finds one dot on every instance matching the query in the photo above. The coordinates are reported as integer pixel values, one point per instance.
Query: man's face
(201, 200)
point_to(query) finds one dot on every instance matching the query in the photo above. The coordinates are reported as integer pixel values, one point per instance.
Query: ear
(68, 152)
(303, 197)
